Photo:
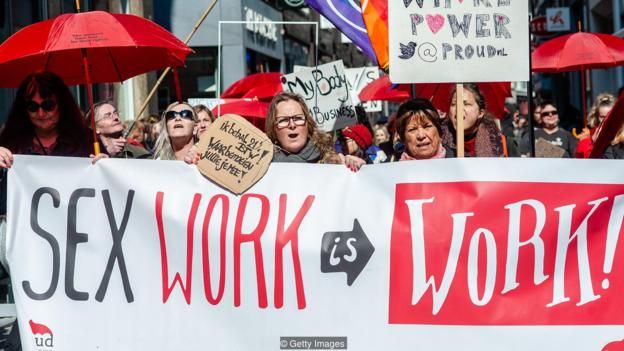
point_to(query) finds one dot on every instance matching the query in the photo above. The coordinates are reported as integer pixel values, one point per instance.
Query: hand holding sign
(234, 153)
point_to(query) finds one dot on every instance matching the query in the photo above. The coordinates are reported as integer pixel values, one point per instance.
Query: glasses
(46, 105)
(548, 113)
(284, 121)
(109, 115)
(186, 114)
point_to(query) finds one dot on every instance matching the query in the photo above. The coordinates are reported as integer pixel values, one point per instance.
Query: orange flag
(375, 14)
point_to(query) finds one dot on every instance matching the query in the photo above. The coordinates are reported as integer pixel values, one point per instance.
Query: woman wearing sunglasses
(44, 120)
(176, 136)
(551, 132)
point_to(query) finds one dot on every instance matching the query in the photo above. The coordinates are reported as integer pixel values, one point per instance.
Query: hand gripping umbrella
(90, 47)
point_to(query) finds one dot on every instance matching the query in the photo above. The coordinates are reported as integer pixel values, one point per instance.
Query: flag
(347, 17)
(375, 15)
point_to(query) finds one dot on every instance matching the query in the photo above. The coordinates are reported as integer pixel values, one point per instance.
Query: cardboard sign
(234, 153)
(325, 90)
(544, 148)
(458, 41)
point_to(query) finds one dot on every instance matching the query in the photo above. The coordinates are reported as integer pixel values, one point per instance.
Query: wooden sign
(234, 154)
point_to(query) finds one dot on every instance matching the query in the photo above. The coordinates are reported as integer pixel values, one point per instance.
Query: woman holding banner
(176, 137)
(419, 127)
(44, 120)
(482, 137)
(296, 137)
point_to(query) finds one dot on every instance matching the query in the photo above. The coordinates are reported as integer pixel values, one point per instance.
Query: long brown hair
(323, 141)
(19, 130)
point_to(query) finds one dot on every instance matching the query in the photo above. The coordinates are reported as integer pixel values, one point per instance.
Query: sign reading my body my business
(458, 41)
(445, 255)
(326, 91)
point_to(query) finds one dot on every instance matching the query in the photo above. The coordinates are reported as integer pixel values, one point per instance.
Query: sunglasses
(548, 113)
(186, 114)
(46, 105)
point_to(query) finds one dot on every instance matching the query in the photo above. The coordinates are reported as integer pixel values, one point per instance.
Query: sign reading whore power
(435, 41)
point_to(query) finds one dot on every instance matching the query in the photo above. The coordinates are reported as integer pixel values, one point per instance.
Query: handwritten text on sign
(458, 41)
(234, 153)
(326, 91)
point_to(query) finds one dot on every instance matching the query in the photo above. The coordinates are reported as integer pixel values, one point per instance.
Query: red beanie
(360, 134)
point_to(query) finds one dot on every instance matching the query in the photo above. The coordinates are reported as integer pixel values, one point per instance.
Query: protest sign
(326, 92)
(358, 79)
(234, 153)
(500, 254)
(458, 41)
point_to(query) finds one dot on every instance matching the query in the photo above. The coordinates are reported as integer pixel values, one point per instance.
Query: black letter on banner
(73, 239)
(56, 256)
(116, 253)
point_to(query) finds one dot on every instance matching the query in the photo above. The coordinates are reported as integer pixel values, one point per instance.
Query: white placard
(558, 19)
(358, 79)
(458, 41)
(326, 92)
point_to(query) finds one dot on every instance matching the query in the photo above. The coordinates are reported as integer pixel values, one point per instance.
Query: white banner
(458, 41)
(472, 254)
(325, 90)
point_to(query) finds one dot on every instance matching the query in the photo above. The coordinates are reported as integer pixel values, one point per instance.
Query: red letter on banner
(282, 239)
(254, 236)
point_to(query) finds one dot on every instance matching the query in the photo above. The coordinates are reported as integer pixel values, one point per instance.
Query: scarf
(309, 154)
(441, 153)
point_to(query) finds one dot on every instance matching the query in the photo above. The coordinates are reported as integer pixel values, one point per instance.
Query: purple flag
(346, 15)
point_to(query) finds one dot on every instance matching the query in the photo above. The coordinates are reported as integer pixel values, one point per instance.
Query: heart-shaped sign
(234, 153)
(435, 22)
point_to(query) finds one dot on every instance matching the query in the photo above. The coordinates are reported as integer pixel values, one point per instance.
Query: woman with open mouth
(296, 137)
(418, 126)
(176, 136)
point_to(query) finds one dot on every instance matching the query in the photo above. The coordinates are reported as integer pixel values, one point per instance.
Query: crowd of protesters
(44, 119)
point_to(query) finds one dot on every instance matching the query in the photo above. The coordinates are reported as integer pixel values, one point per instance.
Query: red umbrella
(90, 47)
(264, 92)
(439, 93)
(244, 85)
(252, 109)
(382, 89)
(116, 46)
(579, 51)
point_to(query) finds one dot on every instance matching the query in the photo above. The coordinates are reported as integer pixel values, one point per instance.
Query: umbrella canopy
(116, 47)
(243, 107)
(578, 51)
(242, 86)
(438, 93)
(264, 92)
(383, 89)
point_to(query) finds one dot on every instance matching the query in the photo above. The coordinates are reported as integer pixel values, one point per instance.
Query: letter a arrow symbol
(347, 252)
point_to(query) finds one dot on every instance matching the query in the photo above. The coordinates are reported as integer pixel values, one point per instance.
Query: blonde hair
(602, 100)
(619, 138)
(384, 130)
(323, 141)
(162, 148)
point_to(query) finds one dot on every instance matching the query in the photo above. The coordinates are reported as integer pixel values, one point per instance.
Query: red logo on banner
(507, 253)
